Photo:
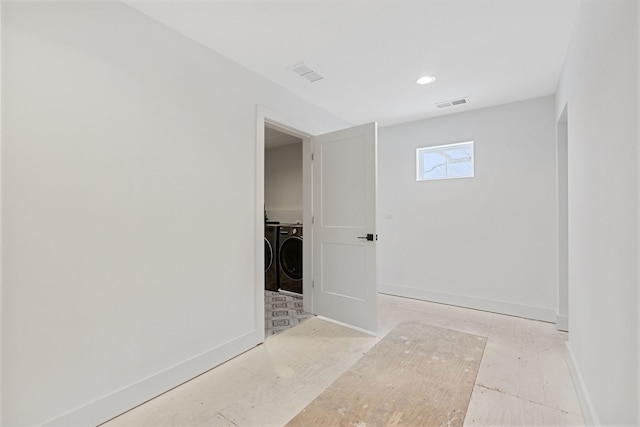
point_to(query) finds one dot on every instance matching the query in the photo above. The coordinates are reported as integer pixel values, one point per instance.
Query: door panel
(342, 266)
(343, 201)
(344, 205)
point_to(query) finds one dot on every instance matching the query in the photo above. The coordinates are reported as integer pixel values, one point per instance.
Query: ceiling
(370, 52)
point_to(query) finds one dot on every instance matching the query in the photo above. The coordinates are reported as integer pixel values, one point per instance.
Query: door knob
(369, 237)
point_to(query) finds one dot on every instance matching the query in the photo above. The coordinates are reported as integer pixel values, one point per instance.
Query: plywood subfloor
(416, 375)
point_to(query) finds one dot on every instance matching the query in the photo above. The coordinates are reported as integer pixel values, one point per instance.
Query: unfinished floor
(523, 377)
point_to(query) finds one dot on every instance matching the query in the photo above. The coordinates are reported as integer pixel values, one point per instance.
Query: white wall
(1, 303)
(488, 242)
(125, 271)
(283, 183)
(600, 87)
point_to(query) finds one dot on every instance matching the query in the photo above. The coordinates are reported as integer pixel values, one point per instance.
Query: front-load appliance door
(290, 259)
(270, 257)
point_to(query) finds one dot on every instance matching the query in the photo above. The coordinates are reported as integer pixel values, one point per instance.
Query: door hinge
(313, 220)
(312, 157)
(313, 284)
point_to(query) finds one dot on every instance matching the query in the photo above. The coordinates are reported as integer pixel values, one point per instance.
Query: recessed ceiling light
(425, 80)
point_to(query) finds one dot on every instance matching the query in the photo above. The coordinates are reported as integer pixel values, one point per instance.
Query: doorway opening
(338, 191)
(284, 227)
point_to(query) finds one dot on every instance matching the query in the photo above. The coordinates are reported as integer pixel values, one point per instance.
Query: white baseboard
(562, 323)
(495, 306)
(588, 411)
(120, 401)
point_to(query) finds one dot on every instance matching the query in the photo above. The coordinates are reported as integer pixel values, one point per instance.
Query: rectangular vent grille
(307, 73)
(452, 102)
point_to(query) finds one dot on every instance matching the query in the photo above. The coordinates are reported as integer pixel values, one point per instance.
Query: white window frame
(420, 151)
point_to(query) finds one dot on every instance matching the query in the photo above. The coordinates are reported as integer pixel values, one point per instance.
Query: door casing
(303, 131)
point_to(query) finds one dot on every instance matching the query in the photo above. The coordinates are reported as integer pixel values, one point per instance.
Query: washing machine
(290, 258)
(271, 257)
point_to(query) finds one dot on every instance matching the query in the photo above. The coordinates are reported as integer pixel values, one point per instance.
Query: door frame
(562, 219)
(283, 123)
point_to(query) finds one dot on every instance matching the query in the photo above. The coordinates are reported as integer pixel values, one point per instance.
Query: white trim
(305, 131)
(1, 222)
(103, 408)
(588, 411)
(307, 215)
(452, 145)
(495, 306)
(562, 323)
(562, 220)
(282, 122)
(258, 299)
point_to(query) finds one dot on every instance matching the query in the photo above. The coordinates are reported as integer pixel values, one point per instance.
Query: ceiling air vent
(452, 103)
(307, 73)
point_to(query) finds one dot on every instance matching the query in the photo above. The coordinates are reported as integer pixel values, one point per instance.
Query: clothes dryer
(271, 257)
(290, 258)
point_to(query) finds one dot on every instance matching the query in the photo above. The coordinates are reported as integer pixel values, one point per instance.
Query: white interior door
(344, 213)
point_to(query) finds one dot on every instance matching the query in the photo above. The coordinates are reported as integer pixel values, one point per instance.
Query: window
(445, 161)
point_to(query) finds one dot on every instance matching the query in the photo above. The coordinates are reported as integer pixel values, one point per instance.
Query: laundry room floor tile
(282, 312)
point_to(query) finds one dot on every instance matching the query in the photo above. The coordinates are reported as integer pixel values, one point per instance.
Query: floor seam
(220, 414)
(497, 389)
